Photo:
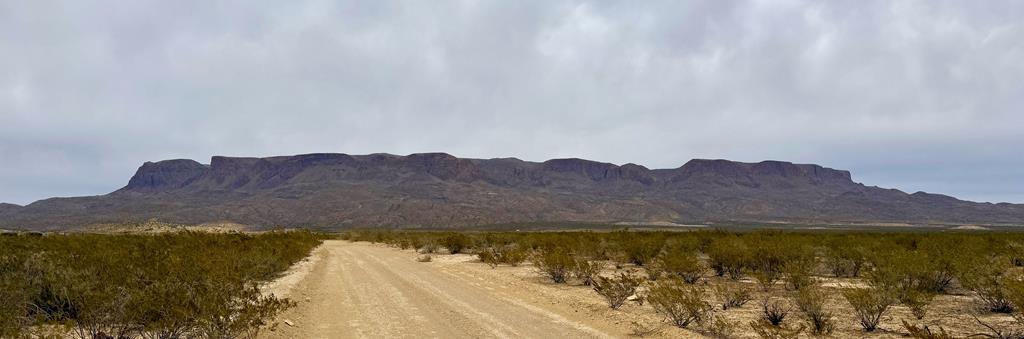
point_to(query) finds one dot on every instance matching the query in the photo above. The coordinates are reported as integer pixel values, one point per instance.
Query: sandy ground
(361, 290)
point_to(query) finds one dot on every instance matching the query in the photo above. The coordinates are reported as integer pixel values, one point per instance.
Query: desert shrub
(918, 302)
(455, 242)
(555, 263)
(996, 331)
(844, 260)
(427, 246)
(774, 311)
(682, 264)
(680, 302)
(233, 313)
(640, 330)
(799, 269)
(869, 304)
(811, 303)
(987, 278)
(586, 270)
(718, 326)
(15, 295)
(640, 250)
(728, 256)
(946, 256)
(155, 286)
(924, 332)
(616, 290)
(765, 330)
(509, 254)
(769, 258)
(488, 257)
(733, 295)
(901, 272)
(655, 268)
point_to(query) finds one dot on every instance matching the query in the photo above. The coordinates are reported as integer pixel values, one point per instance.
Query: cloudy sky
(915, 95)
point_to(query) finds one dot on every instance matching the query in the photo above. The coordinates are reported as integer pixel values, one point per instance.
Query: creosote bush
(455, 242)
(172, 285)
(586, 270)
(869, 304)
(918, 302)
(680, 302)
(733, 295)
(766, 330)
(682, 264)
(900, 267)
(811, 302)
(728, 256)
(555, 263)
(616, 290)
(774, 311)
(987, 278)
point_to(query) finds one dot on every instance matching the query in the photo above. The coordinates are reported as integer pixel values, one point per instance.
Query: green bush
(844, 259)
(166, 285)
(733, 295)
(616, 290)
(799, 269)
(554, 263)
(455, 242)
(640, 250)
(811, 302)
(728, 256)
(869, 304)
(765, 330)
(682, 264)
(586, 270)
(680, 302)
(986, 277)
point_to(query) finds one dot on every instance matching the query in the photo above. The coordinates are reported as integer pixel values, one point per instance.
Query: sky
(913, 95)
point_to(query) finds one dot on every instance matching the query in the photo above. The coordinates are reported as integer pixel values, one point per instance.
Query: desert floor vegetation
(168, 285)
(771, 283)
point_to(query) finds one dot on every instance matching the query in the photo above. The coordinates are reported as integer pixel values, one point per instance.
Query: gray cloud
(916, 95)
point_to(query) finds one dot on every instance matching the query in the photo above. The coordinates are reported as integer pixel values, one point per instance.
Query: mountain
(8, 208)
(440, 190)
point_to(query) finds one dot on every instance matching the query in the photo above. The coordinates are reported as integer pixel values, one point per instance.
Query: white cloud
(910, 94)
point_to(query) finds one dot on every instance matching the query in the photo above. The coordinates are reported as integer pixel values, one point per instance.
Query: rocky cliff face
(440, 190)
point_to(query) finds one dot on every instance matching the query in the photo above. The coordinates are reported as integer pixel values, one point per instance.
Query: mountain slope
(440, 190)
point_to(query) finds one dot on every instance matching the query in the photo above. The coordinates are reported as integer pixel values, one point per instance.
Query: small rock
(289, 323)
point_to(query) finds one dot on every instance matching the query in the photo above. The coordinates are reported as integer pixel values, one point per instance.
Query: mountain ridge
(441, 190)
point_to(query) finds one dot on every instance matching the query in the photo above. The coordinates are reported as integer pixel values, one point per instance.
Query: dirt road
(359, 290)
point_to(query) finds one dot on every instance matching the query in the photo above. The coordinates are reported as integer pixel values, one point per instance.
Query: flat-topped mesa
(444, 166)
(165, 175)
(440, 190)
(598, 171)
(765, 169)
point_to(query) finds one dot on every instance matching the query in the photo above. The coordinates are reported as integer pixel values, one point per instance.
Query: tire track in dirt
(358, 290)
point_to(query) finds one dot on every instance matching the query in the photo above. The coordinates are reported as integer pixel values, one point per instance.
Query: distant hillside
(440, 190)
